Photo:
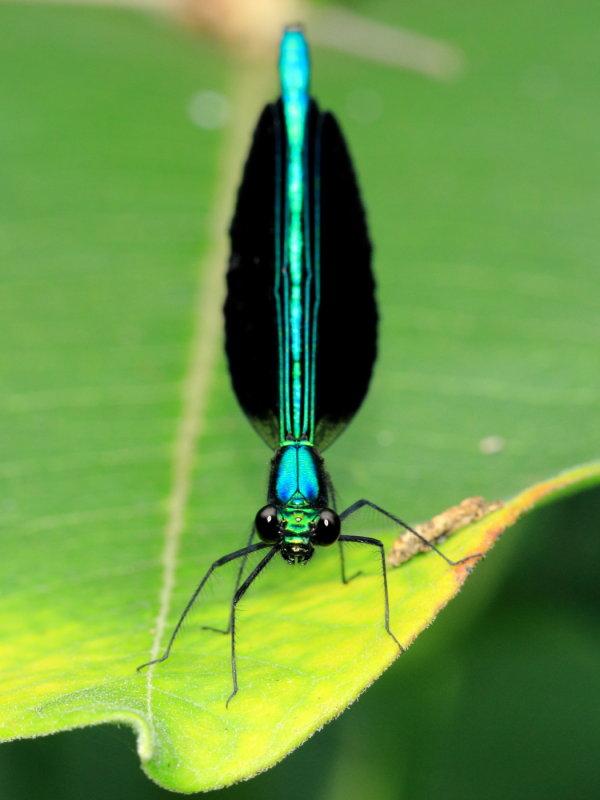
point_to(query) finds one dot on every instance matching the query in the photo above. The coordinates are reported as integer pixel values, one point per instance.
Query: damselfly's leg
(238, 580)
(236, 598)
(377, 543)
(361, 503)
(345, 579)
(245, 551)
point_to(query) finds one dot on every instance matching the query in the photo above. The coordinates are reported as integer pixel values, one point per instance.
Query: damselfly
(300, 325)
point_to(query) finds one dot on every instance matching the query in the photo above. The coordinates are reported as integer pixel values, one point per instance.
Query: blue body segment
(297, 481)
(295, 280)
(294, 65)
(297, 487)
(308, 481)
(297, 476)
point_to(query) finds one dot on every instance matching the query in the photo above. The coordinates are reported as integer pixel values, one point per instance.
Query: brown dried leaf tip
(406, 545)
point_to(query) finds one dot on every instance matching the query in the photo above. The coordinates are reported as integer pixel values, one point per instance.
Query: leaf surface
(125, 471)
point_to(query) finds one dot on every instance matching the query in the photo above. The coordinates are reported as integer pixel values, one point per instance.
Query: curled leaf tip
(438, 528)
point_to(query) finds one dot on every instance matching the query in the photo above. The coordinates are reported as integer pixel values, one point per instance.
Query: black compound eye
(327, 528)
(266, 525)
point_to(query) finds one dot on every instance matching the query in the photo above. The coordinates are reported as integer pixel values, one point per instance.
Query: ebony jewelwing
(300, 325)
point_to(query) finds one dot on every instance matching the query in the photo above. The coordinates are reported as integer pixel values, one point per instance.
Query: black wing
(337, 232)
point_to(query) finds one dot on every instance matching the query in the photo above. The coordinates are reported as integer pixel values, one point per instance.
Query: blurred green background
(483, 200)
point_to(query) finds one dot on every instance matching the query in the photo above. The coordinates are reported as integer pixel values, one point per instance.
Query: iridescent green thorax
(297, 521)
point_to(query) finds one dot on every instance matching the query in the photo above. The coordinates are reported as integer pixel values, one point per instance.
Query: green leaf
(126, 471)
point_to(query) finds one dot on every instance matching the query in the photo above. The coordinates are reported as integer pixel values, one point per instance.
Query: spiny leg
(361, 503)
(238, 580)
(245, 551)
(236, 598)
(343, 566)
(377, 543)
(345, 579)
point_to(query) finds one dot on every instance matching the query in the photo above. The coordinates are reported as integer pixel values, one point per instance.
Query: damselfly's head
(297, 530)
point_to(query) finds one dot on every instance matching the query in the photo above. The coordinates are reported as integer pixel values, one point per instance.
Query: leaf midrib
(248, 84)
